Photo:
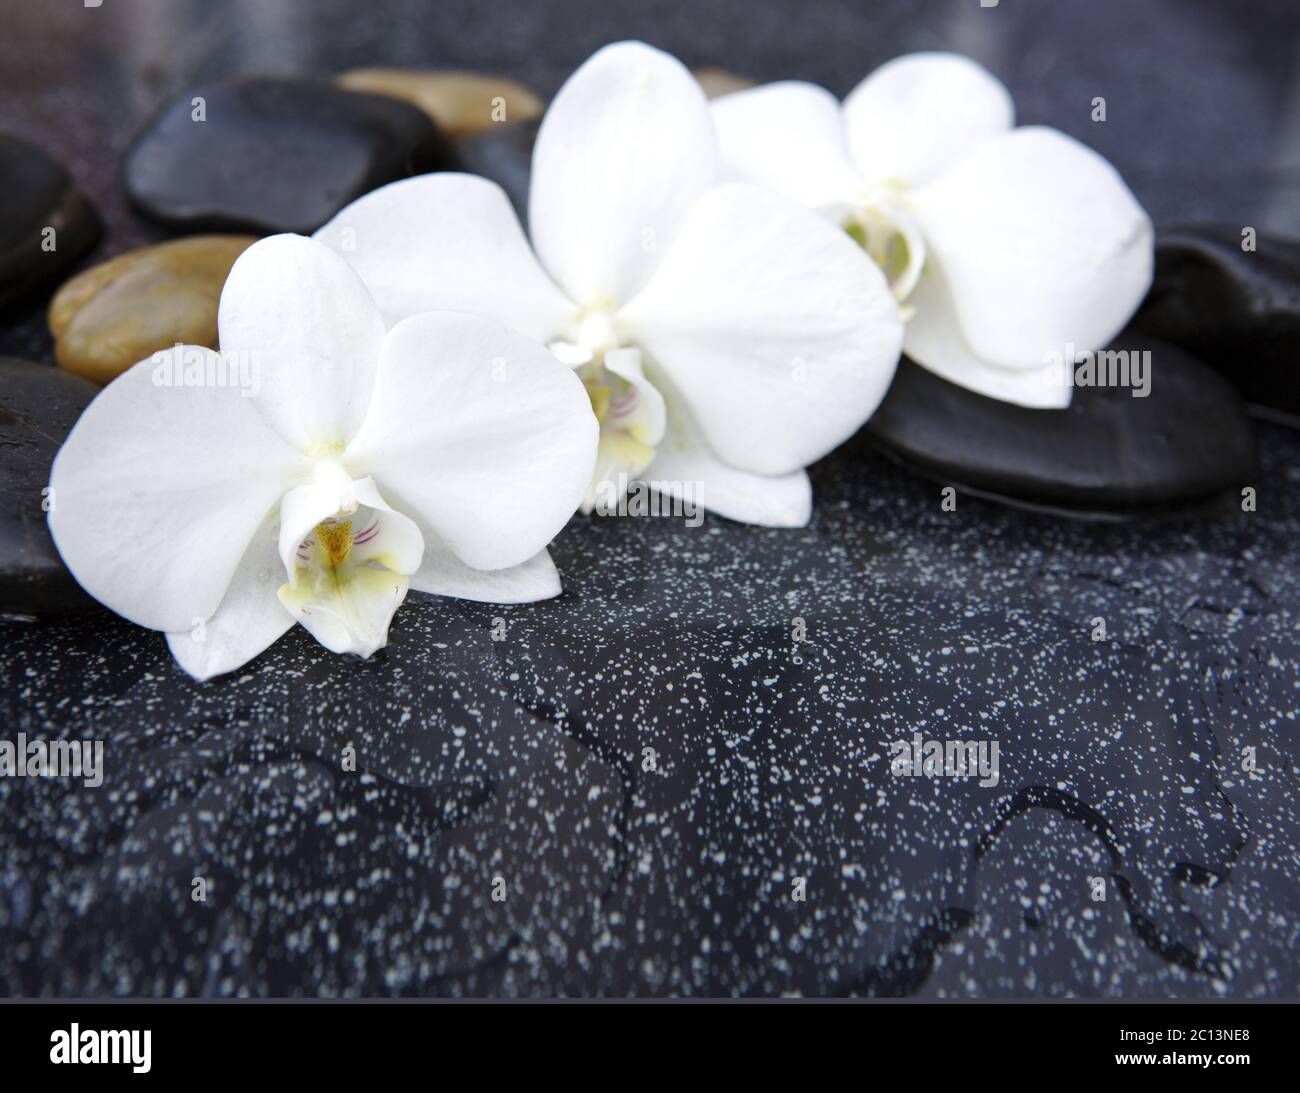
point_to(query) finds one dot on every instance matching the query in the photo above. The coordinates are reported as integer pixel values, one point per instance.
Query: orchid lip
(349, 573)
(881, 225)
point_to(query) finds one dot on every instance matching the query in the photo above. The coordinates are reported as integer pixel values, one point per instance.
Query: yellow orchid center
(335, 538)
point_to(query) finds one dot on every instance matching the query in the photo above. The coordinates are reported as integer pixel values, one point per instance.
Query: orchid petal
(920, 115)
(777, 329)
(788, 136)
(158, 491)
(448, 242)
(249, 620)
(623, 153)
(1041, 244)
(313, 333)
(478, 433)
(686, 467)
(934, 339)
(443, 574)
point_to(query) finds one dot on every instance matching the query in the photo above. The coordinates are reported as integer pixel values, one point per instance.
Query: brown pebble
(122, 311)
(461, 103)
(718, 81)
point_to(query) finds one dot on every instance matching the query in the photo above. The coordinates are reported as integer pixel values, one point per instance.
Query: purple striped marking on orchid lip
(371, 530)
(367, 534)
(624, 404)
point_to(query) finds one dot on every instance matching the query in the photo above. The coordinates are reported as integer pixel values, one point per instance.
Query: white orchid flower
(359, 464)
(1008, 245)
(727, 336)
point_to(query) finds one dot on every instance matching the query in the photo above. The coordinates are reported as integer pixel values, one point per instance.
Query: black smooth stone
(35, 194)
(275, 155)
(503, 154)
(1109, 454)
(39, 404)
(1238, 311)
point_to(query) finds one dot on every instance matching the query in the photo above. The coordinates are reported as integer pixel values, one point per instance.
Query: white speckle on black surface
(517, 768)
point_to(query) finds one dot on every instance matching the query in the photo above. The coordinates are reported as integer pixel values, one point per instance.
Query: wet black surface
(525, 759)
(518, 767)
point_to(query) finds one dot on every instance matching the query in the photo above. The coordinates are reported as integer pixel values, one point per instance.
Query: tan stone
(461, 103)
(122, 311)
(718, 81)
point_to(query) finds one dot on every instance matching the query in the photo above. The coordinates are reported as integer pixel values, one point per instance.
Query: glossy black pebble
(36, 194)
(39, 404)
(1239, 311)
(1108, 454)
(274, 155)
